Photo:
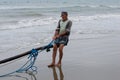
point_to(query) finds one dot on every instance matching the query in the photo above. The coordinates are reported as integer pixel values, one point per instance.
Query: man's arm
(57, 31)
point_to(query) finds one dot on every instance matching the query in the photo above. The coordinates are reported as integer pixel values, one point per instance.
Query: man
(61, 38)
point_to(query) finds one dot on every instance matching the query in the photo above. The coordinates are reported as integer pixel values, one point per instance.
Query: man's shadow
(55, 76)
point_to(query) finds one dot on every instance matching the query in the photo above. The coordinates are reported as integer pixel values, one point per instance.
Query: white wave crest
(55, 6)
(94, 17)
(29, 23)
(53, 20)
(37, 21)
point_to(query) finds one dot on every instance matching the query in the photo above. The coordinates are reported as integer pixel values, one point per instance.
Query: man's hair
(64, 12)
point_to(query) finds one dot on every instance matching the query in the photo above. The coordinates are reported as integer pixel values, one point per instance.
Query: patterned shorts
(61, 40)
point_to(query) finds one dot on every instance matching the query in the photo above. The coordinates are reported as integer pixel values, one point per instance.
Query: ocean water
(25, 24)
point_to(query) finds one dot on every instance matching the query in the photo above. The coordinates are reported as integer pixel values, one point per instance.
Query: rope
(29, 65)
(50, 45)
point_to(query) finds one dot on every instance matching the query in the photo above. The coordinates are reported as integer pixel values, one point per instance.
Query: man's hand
(54, 37)
(57, 36)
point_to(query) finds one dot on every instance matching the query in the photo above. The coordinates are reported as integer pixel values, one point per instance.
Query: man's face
(64, 16)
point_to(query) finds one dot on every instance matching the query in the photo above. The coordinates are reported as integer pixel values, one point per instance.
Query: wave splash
(32, 22)
(60, 6)
(25, 23)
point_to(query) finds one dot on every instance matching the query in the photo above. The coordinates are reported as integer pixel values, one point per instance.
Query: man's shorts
(61, 40)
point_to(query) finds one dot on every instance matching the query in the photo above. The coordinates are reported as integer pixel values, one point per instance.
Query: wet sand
(85, 59)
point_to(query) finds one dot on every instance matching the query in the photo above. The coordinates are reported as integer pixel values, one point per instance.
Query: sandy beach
(91, 59)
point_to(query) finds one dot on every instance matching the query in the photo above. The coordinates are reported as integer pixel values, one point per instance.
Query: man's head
(64, 16)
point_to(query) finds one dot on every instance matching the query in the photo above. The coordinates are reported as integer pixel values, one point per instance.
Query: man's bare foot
(58, 65)
(51, 65)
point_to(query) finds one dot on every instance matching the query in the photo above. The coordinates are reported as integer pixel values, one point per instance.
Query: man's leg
(60, 54)
(53, 55)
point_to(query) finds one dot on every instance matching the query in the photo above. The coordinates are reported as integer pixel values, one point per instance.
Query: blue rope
(47, 47)
(32, 58)
(29, 65)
